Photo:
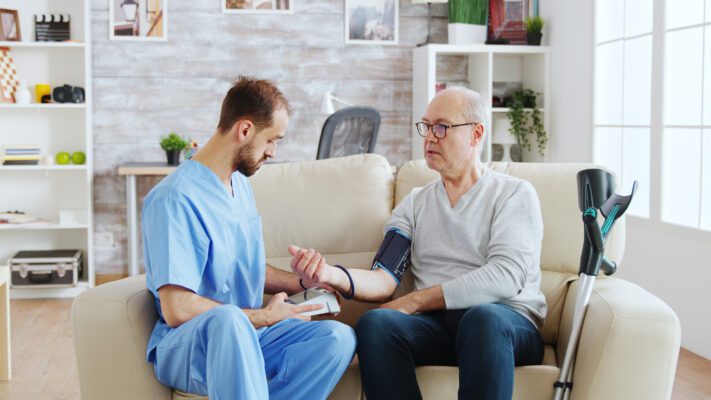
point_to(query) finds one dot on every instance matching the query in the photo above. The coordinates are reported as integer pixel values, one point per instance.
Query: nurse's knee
(228, 319)
(341, 339)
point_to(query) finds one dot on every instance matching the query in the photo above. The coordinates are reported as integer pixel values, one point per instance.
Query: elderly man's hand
(406, 304)
(310, 266)
(429, 299)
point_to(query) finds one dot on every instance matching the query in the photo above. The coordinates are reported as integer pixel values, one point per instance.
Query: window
(622, 90)
(627, 135)
(686, 174)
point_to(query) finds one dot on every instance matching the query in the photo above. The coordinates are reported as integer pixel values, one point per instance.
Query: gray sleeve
(514, 249)
(402, 217)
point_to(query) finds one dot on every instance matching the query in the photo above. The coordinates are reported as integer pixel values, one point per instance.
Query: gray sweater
(486, 249)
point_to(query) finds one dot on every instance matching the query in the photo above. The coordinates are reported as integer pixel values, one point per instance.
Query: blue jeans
(485, 341)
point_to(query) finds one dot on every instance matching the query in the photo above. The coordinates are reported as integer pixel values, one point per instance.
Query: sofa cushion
(441, 383)
(348, 388)
(336, 205)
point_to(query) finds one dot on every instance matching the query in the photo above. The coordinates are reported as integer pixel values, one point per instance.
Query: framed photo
(8, 76)
(506, 20)
(9, 25)
(258, 6)
(138, 20)
(371, 21)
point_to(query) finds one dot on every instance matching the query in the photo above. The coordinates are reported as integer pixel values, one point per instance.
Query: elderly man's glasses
(438, 130)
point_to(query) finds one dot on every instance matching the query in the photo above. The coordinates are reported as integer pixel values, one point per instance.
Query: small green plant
(525, 118)
(534, 25)
(173, 142)
(468, 11)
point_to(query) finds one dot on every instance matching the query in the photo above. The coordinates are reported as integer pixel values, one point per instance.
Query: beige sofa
(628, 346)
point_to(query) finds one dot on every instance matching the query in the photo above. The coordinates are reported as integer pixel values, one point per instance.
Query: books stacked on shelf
(19, 155)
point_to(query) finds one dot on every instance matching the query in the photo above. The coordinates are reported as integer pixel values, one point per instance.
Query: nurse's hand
(278, 309)
(311, 267)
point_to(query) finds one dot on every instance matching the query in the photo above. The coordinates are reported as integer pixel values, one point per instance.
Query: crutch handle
(592, 230)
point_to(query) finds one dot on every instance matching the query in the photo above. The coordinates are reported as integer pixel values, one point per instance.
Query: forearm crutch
(596, 190)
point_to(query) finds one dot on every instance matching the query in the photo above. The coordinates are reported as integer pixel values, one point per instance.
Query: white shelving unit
(529, 65)
(45, 190)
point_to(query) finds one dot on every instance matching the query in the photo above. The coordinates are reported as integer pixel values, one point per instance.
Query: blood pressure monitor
(316, 296)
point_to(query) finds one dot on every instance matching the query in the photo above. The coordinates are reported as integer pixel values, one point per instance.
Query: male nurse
(206, 268)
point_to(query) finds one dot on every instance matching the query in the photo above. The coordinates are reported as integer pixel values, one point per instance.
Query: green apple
(62, 158)
(78, 157)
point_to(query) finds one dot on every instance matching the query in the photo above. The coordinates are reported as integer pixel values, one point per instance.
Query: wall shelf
(43, 45)
(480, 65)
(506, 109)
(43, 168)
(40, 226)
(46, 191)
(45, 106)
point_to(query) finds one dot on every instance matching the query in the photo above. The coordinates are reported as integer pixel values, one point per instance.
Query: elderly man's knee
(486, 320)
(379, 324)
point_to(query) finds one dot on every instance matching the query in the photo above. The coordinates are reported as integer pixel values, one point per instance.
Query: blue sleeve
(175, 243)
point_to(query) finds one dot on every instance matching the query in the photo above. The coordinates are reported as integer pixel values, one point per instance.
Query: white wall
(673, 263)
(569, 33)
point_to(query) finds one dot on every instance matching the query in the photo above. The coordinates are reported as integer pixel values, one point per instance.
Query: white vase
(466, 33)
(502, 136)
(22, 94)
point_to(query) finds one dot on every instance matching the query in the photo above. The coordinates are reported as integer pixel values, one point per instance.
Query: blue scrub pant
(485, 341)
(219, 354)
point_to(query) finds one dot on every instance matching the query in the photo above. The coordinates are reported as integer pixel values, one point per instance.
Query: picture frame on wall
(506, 20)
(372, 22)
(9, 26)
(258, 6)
(138, 20)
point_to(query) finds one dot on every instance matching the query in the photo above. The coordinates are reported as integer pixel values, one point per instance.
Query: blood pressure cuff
(394, 254)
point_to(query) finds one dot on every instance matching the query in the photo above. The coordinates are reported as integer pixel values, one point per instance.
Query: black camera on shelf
(68, 94)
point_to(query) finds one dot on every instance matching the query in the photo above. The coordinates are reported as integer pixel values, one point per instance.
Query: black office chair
(352, 130)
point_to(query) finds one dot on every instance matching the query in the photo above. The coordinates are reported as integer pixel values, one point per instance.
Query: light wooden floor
(44, 363)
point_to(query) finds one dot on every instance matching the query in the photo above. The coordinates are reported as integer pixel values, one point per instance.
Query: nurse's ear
(242, 130)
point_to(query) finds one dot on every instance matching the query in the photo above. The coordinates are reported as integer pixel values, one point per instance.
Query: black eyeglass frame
(421, 125)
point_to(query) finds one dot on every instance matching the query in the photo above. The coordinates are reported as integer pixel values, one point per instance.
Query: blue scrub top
(196, 235)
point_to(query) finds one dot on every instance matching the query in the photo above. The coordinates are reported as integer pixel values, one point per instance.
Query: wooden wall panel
(143, 90)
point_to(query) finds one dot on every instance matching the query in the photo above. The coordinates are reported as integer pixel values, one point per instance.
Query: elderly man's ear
(478, 134)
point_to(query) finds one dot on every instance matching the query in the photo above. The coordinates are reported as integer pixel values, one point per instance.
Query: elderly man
(206, 267)
(475, 241)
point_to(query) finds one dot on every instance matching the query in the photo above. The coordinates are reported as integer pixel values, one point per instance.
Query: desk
(131, 170)
(5, 356)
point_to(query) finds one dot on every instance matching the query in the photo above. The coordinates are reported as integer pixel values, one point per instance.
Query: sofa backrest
(556, 186)
(337, 206)
(112, 325)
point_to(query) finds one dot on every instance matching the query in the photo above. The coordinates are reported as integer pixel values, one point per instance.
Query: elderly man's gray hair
(474, 108)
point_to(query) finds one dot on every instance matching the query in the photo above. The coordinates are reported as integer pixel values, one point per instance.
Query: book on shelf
(21, 162)
(19, 155)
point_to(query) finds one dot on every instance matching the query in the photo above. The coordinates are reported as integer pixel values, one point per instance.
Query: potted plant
(534, 30)
(173, 144)
(467, 21)
(525, 119)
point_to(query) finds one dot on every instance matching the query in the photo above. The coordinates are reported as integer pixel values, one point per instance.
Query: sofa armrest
(629, 343)
(112, 325)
